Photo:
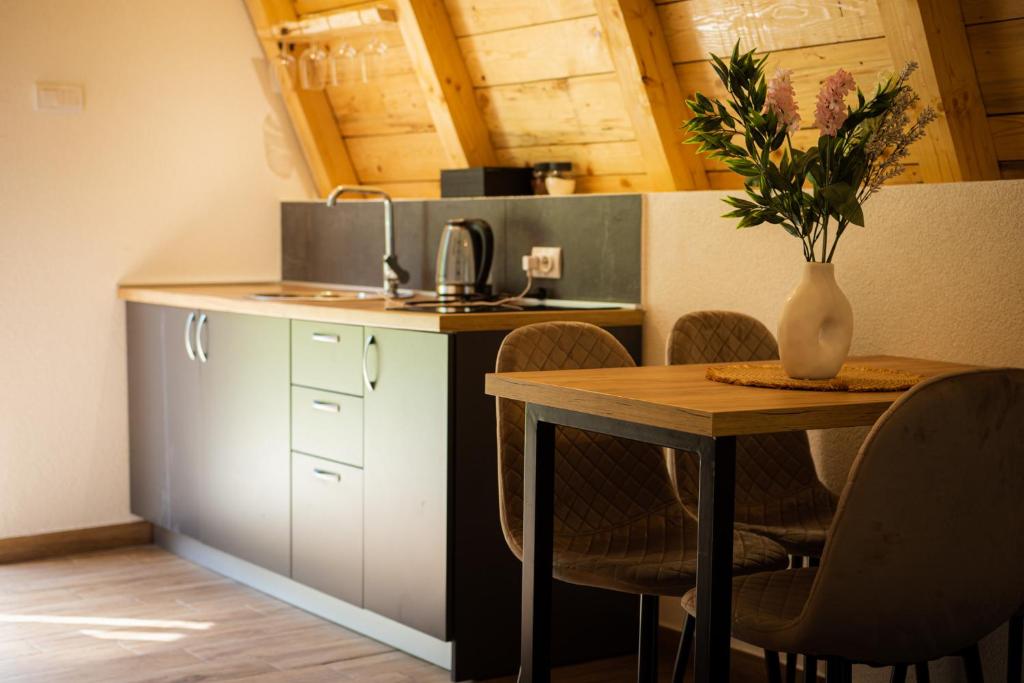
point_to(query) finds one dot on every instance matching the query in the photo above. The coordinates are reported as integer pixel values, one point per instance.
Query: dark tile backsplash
(599, 235)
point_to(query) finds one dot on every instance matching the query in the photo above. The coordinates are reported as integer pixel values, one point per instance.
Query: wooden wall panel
(560, 111)
(610, 158)
(612, 184)
(998, 51)
(397, 158)
(557, 50)
(1008, 136)
(979, 11)
(485, 16)
(696, 27)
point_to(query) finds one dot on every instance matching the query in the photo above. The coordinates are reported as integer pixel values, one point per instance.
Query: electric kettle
(464, 258)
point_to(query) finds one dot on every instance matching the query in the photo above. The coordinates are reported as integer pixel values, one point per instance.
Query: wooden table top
(235, 298)
(679, 397)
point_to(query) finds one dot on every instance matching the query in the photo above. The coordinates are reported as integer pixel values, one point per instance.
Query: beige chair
(618, 522)
(778, 493)
(926, 552)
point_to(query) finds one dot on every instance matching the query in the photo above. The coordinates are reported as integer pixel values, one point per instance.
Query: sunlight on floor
(149, 636)
(105, 621)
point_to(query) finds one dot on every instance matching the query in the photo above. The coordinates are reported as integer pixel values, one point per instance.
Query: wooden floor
(143, 615)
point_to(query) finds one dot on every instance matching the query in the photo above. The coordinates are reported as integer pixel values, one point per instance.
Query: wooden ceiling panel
(605, 158)
(557, 50)
(998, 51)
(384, 106)
(397, 158)
(978, 11)
(485, 16)
(696, 27)
(1008, 136)
(613, 184)
(561, 111)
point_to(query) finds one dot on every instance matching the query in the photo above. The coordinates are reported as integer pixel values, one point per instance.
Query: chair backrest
(926, 552)
(600, 481)
(768, 467)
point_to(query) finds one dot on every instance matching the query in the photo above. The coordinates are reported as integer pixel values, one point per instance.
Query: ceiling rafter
(310, 111)
(958, 146)
(651, 92)
(441, 71)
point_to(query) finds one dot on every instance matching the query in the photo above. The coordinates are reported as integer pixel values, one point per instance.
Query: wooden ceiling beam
(441, 70)
(651, 93)
(958, 146)
(310, 111)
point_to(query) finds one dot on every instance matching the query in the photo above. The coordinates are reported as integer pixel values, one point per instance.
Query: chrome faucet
(393, 273)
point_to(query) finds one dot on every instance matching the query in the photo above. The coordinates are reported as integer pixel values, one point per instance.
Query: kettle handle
(483, 248)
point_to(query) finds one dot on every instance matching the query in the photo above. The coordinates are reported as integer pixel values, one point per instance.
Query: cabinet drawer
(328, 356)
(328, 425)
(327, 527)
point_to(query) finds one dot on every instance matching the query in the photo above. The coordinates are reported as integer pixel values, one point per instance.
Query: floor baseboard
(56, 544)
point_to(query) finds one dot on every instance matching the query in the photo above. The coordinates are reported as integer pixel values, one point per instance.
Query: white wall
(937, 273)
(173, 172)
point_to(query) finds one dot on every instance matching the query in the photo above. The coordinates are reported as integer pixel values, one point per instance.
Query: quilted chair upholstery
(618, 522)
(926, 552)
(778, 493)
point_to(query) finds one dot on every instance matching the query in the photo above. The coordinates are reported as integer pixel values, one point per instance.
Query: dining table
(676, 407)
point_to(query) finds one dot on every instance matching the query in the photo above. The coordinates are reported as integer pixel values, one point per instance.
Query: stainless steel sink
(324, 295)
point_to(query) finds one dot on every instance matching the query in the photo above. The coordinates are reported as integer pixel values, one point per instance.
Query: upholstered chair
(618, 522)
(778, 493)
(926, 551)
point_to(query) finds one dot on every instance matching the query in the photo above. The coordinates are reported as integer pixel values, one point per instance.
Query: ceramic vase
(816, 325)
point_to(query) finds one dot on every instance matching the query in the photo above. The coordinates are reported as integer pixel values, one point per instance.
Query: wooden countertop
(679, 397)
(234, 298)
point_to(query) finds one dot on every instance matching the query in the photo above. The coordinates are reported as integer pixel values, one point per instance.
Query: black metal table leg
(714, 563)
(647, 653)
(538, 524)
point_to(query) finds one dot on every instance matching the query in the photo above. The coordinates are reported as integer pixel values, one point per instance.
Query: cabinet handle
(371, 384)
(188, 335)
(326, 475)
(326, 406)
(326, 338)
(200, 351)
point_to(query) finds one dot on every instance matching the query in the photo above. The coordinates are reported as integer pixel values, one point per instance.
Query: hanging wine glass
(341, 59)
(281, 70)
(370, 58)
(313, 67)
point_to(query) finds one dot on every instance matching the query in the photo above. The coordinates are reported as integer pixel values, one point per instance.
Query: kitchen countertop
(234, 298)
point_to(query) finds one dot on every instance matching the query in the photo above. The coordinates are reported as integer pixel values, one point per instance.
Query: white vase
(816, 325)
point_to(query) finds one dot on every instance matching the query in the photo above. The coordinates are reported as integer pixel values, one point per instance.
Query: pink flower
(780, 100)
(831, 113)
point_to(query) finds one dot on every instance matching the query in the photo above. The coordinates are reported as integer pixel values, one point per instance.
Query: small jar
(559, 179)
(540, 172)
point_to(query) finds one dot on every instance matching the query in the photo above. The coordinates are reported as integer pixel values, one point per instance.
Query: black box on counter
(487, 181)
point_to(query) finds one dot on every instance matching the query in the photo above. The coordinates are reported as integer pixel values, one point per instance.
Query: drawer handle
(188, 335)
(371, 384)
(326, 338)
(326, 406)
(326, 475)
(200, 349)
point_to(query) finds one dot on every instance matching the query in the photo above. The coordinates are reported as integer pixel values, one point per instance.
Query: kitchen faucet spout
(394, 274)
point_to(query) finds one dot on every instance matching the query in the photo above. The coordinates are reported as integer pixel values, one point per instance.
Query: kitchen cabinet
(327, 527)
(244, 386)
(405, 461)
(164, 417)
(209, 439)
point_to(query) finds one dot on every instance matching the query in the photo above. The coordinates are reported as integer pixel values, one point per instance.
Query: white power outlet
(547, 263)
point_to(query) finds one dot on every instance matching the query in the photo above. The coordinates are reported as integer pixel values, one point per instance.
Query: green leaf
(838, 194)
(852, 212)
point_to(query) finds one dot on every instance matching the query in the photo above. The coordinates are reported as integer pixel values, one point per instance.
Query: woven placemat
(850, 378)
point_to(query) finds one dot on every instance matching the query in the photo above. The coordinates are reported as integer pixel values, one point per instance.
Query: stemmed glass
(282, 69)
(313, 67)
(340, 61)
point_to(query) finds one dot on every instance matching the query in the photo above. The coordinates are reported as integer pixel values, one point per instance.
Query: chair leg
(790, 667)
(771, 666)
(972, 664)
(1014, 646)
(921, 673)
(899, 674)
(647, 664)
(810, 669)
(685, 646)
